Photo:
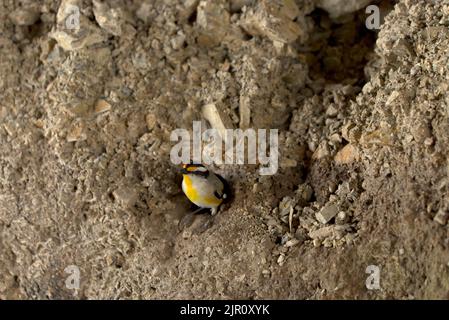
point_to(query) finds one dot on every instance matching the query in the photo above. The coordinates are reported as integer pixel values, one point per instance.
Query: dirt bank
(86, 178)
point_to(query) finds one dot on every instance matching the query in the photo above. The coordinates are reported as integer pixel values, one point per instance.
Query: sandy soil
(86, 178)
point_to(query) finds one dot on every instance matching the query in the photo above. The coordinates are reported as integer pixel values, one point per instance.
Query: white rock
(327, 213)
(322, 233)
(73, 30)
(217, 119)
(274, 19)
(110, 19)
(441, 217)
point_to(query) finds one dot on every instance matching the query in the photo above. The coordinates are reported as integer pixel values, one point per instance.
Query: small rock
(286, 206)
(305, 192)
(383, 136)
(281, 259)
(322, 151)
(178, 41)
(441, 217)
(214, 21)
(274, 19)
(186, 234)
(110, 19)
(3, 113)
(393, 96)
(102, 106)
(343, 189)
(327, 213)
(144, 12)
(330, 233)
(421, 132)
(217, 119)
(307, 223)
(350, 132)
(256, 188)
(332, 187)
(327, 243)
(428, 141)
(331, 111)
(76, 133)
(347, 154)
(291, 243)
(151, 121)
(75, 31)
(24, 16)
(322, 233)
(335, 138)
(341, 218)
(288, 163)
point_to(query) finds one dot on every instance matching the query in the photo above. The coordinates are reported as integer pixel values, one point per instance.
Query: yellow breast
(189, 190)
(201, 199)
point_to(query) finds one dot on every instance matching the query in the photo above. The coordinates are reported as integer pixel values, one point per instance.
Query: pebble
(327, 213)
(441, 217)
(286, 206)
(281, 259)
(151, 121)
(288, 163)
(76, 133)
(335, 138)
(321, 152)
(322, 233)
(291, 243)
(84, 34)
(102, 106)
(24, 17)
(178, 41)
(341, 218)
(347, 154)
(305, 192)
(331, 111)
(428, 141)
(327, 243)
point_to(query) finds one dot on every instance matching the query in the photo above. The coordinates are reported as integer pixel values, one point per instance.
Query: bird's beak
(184, 169)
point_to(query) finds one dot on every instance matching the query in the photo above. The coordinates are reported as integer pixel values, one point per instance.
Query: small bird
(203, 187)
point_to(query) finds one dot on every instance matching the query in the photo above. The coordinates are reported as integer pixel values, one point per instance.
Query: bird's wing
(226, 191)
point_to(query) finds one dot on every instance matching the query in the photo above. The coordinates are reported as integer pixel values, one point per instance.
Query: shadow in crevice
(338, 50)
